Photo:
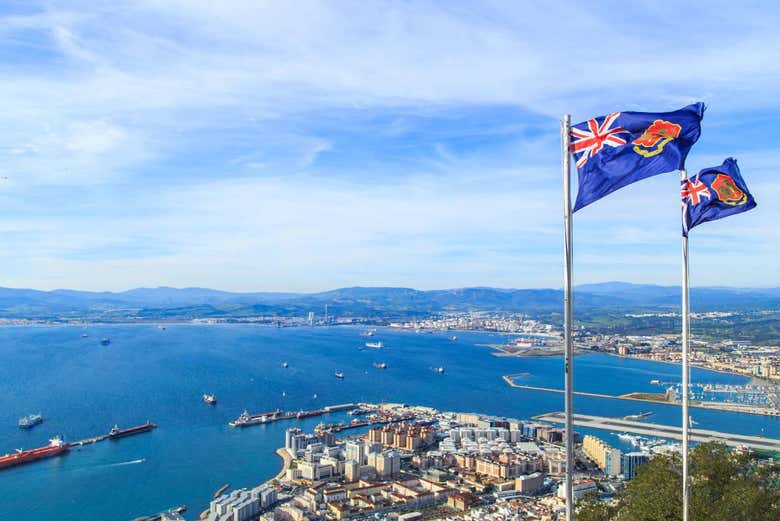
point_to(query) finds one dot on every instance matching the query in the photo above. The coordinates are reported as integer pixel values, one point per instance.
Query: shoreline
(286, 465)
(676, 364)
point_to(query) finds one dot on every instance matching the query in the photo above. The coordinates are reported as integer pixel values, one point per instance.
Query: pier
(247, 420)
(89, 441)
(664, 431)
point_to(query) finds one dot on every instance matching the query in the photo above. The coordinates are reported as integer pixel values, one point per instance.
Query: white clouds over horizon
(302, 146)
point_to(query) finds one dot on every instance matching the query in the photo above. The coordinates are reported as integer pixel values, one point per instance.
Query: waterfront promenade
(664, 431)
(286, 464)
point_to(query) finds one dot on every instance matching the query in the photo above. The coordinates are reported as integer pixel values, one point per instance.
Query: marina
(643, 397)
(664, 431)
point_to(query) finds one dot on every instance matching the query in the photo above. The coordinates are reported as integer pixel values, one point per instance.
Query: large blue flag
(713, 194)
(625, 147)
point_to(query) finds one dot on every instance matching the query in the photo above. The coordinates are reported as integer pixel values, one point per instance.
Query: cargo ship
(375, 345)
(55, 448)
(116, 432)
(28, 422)
(210, 399)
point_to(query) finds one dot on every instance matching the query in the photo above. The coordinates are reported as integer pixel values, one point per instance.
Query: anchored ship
(116, 432)
(55, 448)
(28, 422)
(210, 399)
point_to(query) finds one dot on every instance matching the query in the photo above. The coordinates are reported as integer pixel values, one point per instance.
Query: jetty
(247, 420)
(664, 431)
(156, 517)
(221, 490)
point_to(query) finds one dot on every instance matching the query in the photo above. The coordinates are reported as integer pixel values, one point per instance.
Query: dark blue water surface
(146, 373)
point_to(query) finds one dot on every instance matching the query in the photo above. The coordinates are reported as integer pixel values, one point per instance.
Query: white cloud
(112, 113)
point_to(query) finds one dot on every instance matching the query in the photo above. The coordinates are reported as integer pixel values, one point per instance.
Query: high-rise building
(632, 461)
(607, 458)
(356, 451)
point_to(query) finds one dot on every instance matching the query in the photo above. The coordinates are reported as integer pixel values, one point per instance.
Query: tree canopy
(725, 486)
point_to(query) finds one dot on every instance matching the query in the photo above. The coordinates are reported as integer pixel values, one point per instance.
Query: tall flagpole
(685, 337)
(567, 313)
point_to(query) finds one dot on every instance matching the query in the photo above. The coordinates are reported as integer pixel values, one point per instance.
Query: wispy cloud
(266, 145)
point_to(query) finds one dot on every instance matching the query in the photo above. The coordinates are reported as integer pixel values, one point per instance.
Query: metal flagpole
(685, 337)
(567, 304)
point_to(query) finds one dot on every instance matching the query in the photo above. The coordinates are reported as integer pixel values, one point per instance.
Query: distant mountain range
(166, 302)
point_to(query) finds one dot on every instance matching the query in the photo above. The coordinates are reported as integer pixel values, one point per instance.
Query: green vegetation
(724, 487)
(757, 327)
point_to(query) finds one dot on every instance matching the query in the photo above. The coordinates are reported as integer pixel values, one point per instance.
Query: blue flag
(625, 147)
(713, 194)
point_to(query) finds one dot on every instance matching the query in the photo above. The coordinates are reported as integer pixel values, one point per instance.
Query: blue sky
(250, 145)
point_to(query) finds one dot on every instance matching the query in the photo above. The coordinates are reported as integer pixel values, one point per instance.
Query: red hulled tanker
(56, 447)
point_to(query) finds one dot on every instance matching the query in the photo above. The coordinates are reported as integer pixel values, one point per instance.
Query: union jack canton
(621, 148)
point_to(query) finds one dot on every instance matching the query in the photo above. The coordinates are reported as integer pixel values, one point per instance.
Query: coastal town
(532, 337)
(420, 463)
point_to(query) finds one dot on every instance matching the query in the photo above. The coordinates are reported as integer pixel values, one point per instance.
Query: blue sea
(83, 388)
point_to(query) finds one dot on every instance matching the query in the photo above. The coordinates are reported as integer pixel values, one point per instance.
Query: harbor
(193, 435)
(664, 431)
(651, 398)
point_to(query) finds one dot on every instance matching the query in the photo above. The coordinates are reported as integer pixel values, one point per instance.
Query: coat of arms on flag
(621, 148)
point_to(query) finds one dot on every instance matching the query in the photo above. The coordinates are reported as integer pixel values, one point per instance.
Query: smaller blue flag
(713, 194)
(621, 148)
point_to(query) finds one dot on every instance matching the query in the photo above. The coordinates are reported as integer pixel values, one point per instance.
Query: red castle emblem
(652, 141)
(727, 190)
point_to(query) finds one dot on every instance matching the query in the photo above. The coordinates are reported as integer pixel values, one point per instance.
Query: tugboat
(105, 341)
(339, 375)
(28, 422)
(381, 366)
(210, 399)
